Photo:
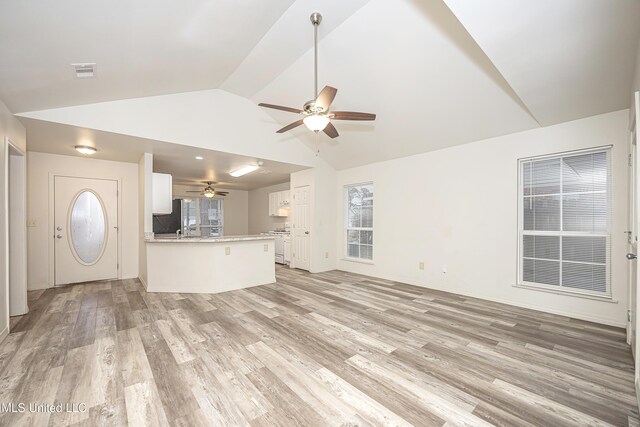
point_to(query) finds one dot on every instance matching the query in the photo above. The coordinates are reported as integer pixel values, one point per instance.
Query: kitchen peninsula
(209, 265)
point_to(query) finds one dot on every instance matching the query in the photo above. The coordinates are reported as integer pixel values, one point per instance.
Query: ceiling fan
(317, 115)
(209, 191)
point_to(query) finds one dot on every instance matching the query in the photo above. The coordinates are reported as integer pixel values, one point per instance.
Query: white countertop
(222, 239)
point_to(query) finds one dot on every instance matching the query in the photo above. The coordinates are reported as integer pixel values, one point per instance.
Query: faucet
(178, 231)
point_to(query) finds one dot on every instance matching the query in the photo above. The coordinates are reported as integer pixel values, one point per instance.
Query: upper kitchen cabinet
(162, 193)
(279, 203)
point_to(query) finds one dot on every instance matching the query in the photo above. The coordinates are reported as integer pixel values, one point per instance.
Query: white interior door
(632, 240)
(85, 229)
(301, 227)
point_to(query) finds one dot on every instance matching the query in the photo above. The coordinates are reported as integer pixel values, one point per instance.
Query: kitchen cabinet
(279, 203)
(162, 194)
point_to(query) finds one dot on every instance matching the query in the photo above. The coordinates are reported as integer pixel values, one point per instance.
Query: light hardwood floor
(323, 349)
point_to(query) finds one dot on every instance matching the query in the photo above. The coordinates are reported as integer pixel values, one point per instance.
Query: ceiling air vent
(85, 70)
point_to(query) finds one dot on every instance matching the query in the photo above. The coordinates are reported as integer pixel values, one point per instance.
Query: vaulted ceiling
(437, 72)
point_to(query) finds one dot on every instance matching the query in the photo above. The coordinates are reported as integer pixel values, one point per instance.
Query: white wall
(259, 219)
(235, 208)
(457, 208)
(145, 208)
(12, 128)
(39, 168)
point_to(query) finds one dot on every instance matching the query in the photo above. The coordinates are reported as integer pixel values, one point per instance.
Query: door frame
(51, 224)
(10, 146)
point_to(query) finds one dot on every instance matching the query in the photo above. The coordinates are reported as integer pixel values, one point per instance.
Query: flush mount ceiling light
(317, 115)
(199, 158)
(243, 170)
(85, 149)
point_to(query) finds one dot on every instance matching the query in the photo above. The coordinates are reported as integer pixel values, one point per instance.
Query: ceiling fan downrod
(316, 19)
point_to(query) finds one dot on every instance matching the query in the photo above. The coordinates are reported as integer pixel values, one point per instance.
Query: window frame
(347, 228)
(198, 227)
(608, 150)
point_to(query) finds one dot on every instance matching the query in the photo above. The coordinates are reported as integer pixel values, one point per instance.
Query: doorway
(86, 229)
(301, 228)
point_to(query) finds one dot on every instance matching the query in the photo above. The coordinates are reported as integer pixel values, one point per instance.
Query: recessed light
(199, 158)
(85, 149)
(243, 170)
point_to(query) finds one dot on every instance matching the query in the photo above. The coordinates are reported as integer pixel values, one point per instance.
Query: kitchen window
(565, 222)
(359, 221)
(202, 217)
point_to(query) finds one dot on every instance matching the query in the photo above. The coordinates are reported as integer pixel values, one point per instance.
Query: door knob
(58, 236)
(631, 256)
(306, 232)
(59, 228)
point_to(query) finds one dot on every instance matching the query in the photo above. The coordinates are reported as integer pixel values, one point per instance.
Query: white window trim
(520, 283)
(346, 228)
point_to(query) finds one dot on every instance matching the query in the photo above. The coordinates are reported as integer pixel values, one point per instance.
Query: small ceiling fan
(209, 191)
(317, 115)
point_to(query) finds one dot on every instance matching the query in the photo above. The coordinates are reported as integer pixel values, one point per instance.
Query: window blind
(564, 227)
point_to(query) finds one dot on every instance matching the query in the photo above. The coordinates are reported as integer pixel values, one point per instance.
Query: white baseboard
(144, 283)
(4, 334)
(578, 316)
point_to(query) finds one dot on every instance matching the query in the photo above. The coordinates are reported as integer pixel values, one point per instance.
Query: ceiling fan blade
(325, 97)
(352, 115)
(330, 130)
(290, 126)
(193, 191)
(280, 107)
(221, 193)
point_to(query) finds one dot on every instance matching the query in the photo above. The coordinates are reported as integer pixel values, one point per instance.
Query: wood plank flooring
(312, 349)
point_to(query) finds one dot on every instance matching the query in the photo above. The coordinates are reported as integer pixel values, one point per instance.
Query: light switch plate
(227, 250)
(421, 265)
(31, 223)
(266, 248)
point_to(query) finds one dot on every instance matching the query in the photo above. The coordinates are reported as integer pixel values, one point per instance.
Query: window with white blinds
(359, 221)
(565, 221)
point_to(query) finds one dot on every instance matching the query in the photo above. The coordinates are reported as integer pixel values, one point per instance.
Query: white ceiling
(437, 72)
(177, 160)
(566, 59)
(142, 47)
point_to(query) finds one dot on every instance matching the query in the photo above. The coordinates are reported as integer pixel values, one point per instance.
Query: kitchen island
(209, 265)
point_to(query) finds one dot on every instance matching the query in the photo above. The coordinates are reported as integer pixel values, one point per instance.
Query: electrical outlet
(227, 250)
(31, 223)
(266, 248)
(326, 255)
(444, 269)
(421, 265)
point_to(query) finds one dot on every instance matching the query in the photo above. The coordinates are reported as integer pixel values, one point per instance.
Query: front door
(85, 229)
(301, 227)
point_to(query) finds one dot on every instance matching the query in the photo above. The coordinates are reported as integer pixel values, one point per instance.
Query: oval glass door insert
(88, 227)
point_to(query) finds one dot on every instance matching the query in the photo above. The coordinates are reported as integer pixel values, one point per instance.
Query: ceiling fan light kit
(317, 115)
(316, 122)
